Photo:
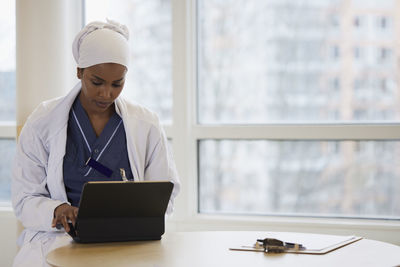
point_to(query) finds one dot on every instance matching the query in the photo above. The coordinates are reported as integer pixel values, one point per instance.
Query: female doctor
(90, 134)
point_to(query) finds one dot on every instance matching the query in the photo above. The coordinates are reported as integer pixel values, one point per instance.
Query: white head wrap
(100, 42)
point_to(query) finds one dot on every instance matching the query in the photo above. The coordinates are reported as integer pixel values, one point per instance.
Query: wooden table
(192, 249)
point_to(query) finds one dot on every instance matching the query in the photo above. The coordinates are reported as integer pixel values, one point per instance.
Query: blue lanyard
(94, 163)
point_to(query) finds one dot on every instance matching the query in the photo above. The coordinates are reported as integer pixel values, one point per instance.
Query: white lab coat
(37, 184)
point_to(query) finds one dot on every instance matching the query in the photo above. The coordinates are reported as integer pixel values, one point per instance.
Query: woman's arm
(160, 164)
(31, 199)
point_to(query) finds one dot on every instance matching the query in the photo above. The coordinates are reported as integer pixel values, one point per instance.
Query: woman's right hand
(63, 214)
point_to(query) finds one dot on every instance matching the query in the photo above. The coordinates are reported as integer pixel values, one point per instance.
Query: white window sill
(383, 230)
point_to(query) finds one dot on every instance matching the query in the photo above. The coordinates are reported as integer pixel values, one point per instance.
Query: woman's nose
(105, 91)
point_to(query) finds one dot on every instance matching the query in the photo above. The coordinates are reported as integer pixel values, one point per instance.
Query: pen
(294, 245)
(123, 174)
(276, 245)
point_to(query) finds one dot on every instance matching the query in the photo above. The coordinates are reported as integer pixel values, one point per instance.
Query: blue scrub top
(109, 149)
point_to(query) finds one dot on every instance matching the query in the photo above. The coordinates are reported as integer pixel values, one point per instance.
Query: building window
(357, 52)
(357, 22)
(383, 54)
(383, 23)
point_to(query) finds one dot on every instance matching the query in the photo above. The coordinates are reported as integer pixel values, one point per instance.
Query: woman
(63, 137)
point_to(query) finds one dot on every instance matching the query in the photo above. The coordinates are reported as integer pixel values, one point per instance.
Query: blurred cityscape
(7, 92)
(298, 61)
(317, 178)
(7, 146)
(310, 61)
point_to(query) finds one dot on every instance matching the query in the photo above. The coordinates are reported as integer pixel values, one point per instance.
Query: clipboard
(314, 244)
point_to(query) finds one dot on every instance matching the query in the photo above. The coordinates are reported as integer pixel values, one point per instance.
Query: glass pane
(7, 60)
(266, 61)
(149, 79)
(7, 153)
(321, 178)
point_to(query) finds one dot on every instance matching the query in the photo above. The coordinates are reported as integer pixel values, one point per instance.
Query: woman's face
(101, 85)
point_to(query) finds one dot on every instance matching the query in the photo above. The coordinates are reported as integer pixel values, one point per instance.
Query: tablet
(122, 211)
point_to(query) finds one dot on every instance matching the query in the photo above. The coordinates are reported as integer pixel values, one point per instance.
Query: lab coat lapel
(133, 153)
(57, 142)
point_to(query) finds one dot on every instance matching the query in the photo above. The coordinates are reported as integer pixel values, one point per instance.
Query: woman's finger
(57, 222)
(72, 217)
(54, 222)
(65, 222)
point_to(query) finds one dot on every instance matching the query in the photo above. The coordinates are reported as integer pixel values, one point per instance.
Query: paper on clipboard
(313, 243)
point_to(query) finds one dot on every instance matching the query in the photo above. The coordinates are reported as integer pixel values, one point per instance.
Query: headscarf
(100, 42)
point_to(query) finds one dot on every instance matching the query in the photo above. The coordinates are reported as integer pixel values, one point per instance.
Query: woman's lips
(101, 104)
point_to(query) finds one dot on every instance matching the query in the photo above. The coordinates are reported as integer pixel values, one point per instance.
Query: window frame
(189, 132)
(8, 129)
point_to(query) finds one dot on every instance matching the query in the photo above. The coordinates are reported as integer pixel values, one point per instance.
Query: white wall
(45, 66)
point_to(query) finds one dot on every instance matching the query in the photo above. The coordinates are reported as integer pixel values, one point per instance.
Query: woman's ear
(79, 73)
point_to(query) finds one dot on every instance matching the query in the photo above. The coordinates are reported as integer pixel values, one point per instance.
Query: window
(149, 79)
(357, 52)
(382, 22)
(266, 69)
(7, 152)
(7, 99)
(299, 178)
(7, 61)
(273, 137)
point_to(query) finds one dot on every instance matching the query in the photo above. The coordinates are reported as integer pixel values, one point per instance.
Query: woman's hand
(63, 214)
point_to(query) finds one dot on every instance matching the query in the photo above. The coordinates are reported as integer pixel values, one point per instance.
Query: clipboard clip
(272, 245)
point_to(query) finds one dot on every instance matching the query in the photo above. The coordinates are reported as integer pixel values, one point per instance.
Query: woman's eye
(96, 83)
(116, 85)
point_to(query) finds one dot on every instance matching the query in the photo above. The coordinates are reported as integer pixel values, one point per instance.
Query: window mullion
(300, 132)
(184, 146)
(7, 130)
